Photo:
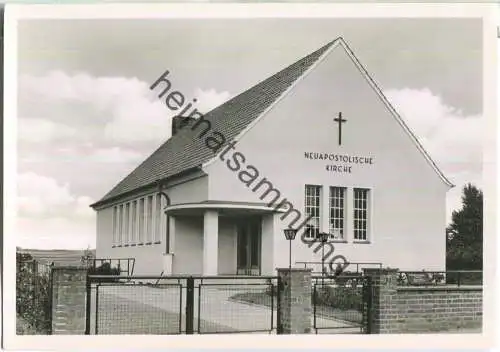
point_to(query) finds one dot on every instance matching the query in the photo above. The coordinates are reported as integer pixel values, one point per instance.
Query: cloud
(39, 194)
(138, 119)
(114, 155)
(43, 197)
(82, 208)
(453, 140)
(35, 130)
(209, 99)
(50, 216)
(451, 137)
(114, 110)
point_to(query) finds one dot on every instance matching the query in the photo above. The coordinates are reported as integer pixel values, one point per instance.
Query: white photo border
(15, 12)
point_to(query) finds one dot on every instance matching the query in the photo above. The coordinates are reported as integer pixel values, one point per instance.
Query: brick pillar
(294, 299)
(68, 300)
(383, 309)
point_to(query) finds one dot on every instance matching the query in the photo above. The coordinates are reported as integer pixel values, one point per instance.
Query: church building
(316, 147)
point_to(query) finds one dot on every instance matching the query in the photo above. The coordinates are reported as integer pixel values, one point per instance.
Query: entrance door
(248, 247)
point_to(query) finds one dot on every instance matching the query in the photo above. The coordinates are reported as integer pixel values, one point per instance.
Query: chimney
(178, 122)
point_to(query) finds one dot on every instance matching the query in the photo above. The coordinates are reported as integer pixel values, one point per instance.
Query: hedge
(344, 295)
(33, 294)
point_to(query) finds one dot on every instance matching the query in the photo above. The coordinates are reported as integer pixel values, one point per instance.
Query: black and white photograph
(207, 175)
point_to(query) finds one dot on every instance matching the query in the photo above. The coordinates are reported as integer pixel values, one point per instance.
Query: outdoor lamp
(323, 237)
(290, 236)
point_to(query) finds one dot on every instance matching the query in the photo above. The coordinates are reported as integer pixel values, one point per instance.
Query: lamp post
(323, 236)
(290, 236)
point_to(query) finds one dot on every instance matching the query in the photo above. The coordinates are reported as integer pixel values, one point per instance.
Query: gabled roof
(185, 151)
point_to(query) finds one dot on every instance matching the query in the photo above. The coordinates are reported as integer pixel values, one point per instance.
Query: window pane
(120, 224)
(312, 208)
(126, 221)
(115, 227)
(360, 213)
(149, 221)
(134, 222)
(141, 221)
(337, 212)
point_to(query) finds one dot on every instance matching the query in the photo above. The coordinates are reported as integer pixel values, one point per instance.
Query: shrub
(339, 297)
(105, 269)
(344, 295)
(33, 294)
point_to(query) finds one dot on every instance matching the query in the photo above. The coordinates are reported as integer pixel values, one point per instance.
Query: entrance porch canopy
(222, 207)
(210, 211)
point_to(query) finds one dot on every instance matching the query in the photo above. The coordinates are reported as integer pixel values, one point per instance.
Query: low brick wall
(438, 308)
(412, 309)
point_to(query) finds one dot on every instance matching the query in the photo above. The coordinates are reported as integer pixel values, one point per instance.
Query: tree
(86, 258)
(464, 242)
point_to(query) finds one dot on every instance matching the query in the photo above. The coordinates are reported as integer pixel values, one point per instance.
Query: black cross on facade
(340, 120)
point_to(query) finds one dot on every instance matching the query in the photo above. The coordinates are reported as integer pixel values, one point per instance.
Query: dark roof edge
(158, 182)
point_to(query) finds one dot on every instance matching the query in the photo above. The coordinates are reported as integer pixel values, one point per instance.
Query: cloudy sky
(86, 117)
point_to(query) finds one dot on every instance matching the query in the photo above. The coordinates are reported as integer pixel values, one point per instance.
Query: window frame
(149, 200)
(158, 223)
(342, 210)
(314, 193)
(142, 220)
(133, 214)
(114, 240)
(126, 223)
(120, 225)
(366, 208)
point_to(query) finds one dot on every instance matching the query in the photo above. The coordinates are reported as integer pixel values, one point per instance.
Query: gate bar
(88, 287)
(199, 306)
(51, 294)
(96, 308)
(279, 323)
(369, 302)
(315, 298)
(273, 292)
(189, 305)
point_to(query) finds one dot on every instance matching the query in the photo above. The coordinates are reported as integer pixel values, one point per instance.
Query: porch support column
(210, 242)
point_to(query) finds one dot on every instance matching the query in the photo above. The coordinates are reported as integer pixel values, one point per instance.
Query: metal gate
(180, 305)
(342, 304)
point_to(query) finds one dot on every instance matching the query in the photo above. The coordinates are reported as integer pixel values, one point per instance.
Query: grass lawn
(124, 316)
(264, 299)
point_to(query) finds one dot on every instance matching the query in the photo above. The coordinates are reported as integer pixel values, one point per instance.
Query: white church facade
(316, 147)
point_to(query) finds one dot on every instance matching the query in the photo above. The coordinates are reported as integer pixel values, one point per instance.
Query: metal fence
(180, 305)
(440, 278)
(320, 268)
(341, 304)
(34, 295)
